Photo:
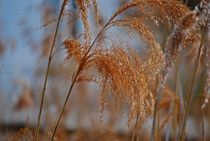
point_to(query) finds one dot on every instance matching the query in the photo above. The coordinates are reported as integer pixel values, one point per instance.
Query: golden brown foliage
(96, 13)
(154, 58)
(74, 48)
(23, 135)
(121, 71)
(170, 10)
(83, 6)
(83, 9)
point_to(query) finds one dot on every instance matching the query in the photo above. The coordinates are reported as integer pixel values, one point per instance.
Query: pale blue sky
(19, 63)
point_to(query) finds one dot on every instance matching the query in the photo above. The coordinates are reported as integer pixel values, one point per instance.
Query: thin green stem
(36, 135)
(189, 96)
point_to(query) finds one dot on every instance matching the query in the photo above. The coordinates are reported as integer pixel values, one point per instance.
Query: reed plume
(121, 71)
(83, 9)
(154, 60)
(23, 135)
(88, 53)
(83, 6)
(170, 11)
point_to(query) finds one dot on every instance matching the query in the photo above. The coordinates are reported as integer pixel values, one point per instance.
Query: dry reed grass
(22, 135)
(121, 71)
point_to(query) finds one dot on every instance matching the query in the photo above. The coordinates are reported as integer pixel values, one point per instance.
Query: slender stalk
(157, 101)
(159, 87)
(203, 125)
(80, 68)
(135, 128)
(36, 135)
(158, 130)
(177, 86)
(189, 96)
(65, 102)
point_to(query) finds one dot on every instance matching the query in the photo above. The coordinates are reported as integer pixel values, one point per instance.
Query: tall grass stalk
(79, 70)
(83, 61)
(189, 96)
(36, 135)
(203, 125)
(157, 101)
(135, 131)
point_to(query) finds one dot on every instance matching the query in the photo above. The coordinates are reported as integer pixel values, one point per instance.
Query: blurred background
(26, 31)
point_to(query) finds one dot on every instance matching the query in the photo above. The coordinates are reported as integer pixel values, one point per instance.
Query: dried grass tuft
(170, 11)
(121, 74)
(23, 135)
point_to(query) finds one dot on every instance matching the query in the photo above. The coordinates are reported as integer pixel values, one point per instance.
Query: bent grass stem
(189, 96)
(36, 135)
